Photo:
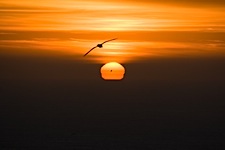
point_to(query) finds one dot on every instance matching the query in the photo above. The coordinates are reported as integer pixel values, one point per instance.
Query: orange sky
(143, 29)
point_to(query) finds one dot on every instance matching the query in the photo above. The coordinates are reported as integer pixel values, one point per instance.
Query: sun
(112, 71)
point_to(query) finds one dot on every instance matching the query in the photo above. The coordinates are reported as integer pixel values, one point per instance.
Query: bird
(99, 45)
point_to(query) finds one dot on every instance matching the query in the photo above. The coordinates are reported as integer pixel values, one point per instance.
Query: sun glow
(112, 71)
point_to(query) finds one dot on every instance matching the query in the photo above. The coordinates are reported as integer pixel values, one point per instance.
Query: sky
(172, 95)
(144, 29)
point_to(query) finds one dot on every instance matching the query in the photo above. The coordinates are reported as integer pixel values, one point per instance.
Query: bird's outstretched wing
(109, 40)
(90, 50)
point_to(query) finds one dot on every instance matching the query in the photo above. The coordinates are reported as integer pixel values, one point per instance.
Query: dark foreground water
(127, 115)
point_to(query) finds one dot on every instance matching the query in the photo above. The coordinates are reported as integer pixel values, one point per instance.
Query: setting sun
(112, 71)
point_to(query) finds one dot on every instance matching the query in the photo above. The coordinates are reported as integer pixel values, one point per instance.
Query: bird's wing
(90, 50)
(109, 40)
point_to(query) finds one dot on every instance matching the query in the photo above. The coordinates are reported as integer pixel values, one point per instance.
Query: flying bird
(99, 45)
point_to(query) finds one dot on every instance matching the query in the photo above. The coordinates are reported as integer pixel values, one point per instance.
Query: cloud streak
(107, 16)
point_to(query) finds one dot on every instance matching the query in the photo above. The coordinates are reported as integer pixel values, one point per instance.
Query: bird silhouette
(99, 45)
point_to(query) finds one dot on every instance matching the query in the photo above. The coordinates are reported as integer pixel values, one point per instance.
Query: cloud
(199, 3)
(106, 16)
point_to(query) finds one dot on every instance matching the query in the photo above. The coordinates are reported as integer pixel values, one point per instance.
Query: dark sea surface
(40, 109)
(61, 114)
